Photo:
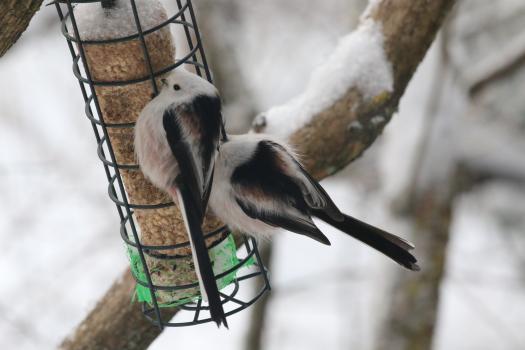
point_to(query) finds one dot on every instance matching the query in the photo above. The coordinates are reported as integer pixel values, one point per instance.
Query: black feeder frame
(197, 312)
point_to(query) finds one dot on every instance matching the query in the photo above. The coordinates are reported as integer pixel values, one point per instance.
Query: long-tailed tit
(259, 187)
(176, 139)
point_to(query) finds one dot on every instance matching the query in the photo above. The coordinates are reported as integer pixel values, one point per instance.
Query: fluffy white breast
(151, 146)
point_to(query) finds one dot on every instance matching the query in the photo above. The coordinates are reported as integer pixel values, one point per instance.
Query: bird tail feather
(201, 259)
(390, 245)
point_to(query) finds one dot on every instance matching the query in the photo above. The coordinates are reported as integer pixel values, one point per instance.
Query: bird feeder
(121, 49)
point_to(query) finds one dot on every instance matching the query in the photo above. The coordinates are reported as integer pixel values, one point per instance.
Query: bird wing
(208, 110)
(313, 193)
(188, 172)
(294, 223)
(265, 192)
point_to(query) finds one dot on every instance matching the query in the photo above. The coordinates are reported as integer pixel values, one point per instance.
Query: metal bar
(188, 35)
(172, 19)
(197, 311)
(199, 42)
(234, 268)
(137, 80)
(144, 47)
(229, 313)
(260, 263)
(203, 58)
(107, 4)
(85, 96)
(112, 155)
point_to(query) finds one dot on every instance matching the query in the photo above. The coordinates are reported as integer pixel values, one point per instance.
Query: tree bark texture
(409, 29)
(15, 16)
(327, 143)
(116, 322)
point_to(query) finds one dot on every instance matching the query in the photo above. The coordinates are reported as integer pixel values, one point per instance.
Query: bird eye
(176, 87)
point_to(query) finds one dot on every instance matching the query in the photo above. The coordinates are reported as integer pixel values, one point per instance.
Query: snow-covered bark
(329, 133)
(359, 62)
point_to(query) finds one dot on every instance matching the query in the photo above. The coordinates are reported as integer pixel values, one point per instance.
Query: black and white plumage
(176, 139)
(260, 187)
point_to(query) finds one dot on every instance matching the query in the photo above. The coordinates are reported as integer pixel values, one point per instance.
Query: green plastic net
(181, 272)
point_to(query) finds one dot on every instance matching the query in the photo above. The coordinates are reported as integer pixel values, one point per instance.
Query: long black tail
(201, 258)
(392, 246)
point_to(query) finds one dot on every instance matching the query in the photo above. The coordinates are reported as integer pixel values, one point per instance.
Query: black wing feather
(263, 173)
(208, 110)
(297, 225)
(329, 208)
(182, 153)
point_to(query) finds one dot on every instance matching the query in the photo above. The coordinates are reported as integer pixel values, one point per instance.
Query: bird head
(183, 86)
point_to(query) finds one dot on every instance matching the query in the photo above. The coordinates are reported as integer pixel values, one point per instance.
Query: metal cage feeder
(149, 260)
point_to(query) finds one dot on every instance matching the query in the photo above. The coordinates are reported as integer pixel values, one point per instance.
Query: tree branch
(115, 323)
(15, 16)
(409, 27)
(329, 141)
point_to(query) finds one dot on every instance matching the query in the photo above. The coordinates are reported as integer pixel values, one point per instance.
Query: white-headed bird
(176, 139)
(260, 187)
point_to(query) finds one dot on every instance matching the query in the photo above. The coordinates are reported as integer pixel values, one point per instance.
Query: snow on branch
(351, 97)
(359, 62)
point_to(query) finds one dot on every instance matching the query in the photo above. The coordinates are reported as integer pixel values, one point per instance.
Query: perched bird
(176, 139)
(259, 187)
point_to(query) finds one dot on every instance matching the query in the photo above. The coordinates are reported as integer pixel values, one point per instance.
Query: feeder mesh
(124, 61)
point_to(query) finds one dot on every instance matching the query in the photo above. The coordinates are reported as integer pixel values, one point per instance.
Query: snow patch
(372, 4)
(378, 120)
(355, 125)
(97, 23)
(359, 61)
